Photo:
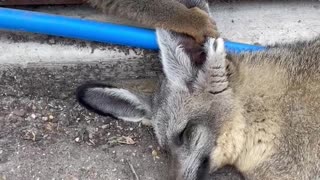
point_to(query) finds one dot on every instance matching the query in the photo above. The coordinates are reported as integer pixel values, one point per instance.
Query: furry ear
(177, 65)
(110, 101)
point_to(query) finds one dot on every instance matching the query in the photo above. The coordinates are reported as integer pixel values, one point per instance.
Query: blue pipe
(35, 22)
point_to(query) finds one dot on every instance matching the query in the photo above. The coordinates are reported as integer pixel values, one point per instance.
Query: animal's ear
(177, 65)
(110, 101)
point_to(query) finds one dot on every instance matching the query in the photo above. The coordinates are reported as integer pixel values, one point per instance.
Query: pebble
(90, 135)
(105, 126)
(33, 116)
(77, 139)
(45, 118)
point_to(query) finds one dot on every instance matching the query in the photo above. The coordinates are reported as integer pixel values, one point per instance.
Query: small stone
(77, 139)
(131, 129)
(105, 126)
(33, 116)
(155, 154)
(45, 118)
(31, 135)
(51, 117)
(90, 135)
(49, 126)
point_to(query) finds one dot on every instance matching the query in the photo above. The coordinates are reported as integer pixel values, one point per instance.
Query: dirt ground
(45, 134)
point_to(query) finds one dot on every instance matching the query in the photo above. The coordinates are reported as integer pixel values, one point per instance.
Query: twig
(133, 171)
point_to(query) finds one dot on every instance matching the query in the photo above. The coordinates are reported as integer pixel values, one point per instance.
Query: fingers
(199, 25)
(212, 33)
(201, 33)
(199, 38)
(220, 45)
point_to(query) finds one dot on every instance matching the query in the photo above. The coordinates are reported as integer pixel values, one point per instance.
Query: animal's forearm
(152, 13)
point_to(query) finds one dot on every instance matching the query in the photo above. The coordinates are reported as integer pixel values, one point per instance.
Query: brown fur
(168, 14)
(258, 112)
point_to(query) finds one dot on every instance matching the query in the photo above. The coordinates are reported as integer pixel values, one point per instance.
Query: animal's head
(188, 109)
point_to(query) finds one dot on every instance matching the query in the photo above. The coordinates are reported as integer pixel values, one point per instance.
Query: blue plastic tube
(35, 22)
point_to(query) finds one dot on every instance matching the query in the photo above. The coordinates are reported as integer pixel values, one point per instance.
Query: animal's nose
(203, 169)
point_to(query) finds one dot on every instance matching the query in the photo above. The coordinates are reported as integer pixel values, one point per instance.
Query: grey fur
(256, 111)
(277, 92)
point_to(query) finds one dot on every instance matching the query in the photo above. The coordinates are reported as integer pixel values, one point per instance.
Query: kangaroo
(258, 112)
(177, 15)
(255, 111)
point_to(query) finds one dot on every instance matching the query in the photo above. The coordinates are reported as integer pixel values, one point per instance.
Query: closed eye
(179, 140)
(184, 137)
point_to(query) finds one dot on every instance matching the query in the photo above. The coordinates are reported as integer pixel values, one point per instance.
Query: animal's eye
(184, 136)
(179, 140)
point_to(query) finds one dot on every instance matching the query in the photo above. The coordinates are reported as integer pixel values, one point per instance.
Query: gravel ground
(45, 134)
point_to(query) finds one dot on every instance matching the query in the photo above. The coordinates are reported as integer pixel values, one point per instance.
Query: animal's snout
(198, 170)
(203, 170)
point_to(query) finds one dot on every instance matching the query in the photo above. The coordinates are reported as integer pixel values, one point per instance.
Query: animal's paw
(201, 26)
(216, 54)
(215, 47)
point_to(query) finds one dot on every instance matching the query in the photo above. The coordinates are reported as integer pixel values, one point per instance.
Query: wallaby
(177, 15)
(258, 112)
